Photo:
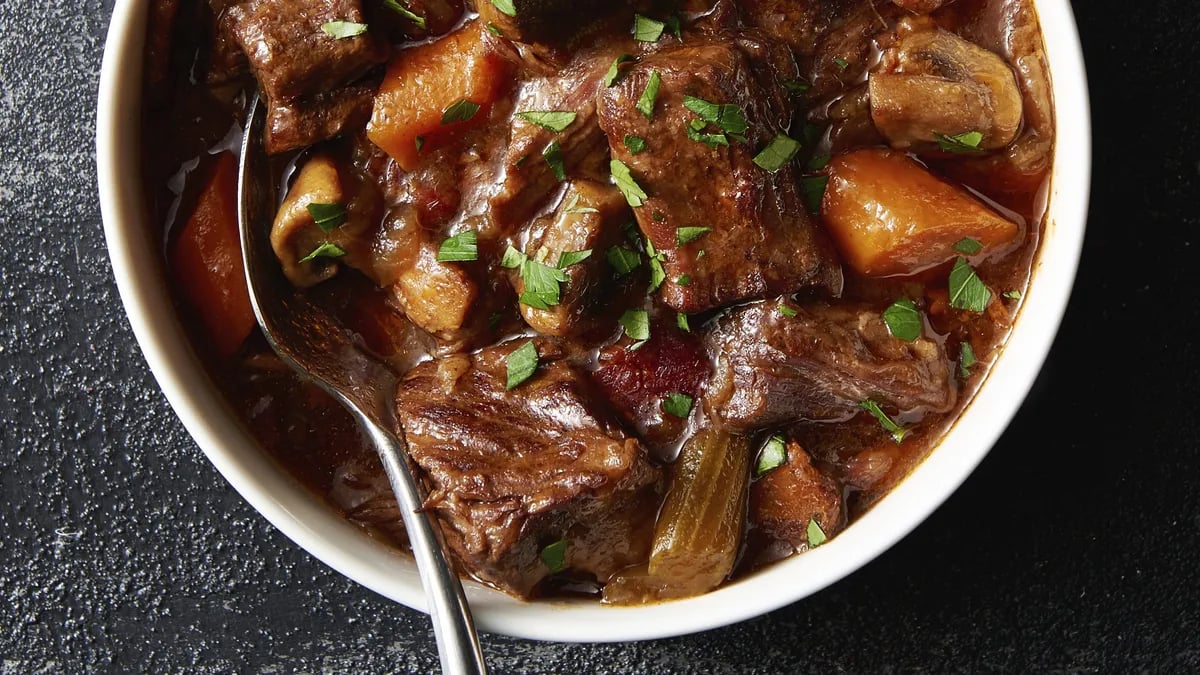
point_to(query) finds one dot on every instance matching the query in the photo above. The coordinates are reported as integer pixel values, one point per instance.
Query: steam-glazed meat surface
(761, 241)
(673, 290)
(509, 475)
(777, 363)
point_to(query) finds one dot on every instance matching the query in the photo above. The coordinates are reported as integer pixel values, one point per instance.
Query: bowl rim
(317, 529)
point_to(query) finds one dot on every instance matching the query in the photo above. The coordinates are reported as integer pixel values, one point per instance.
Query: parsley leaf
(966, 359)
(554, 157)
(898, 432)
(903, 320)
(554, 120)
(462, 247)
(813, 188)
(554, 556)
(405, 12)
(681, 320)
(968, 246)
(645, 104)
(614, 71)
(635, 144)
(964, 143)
(967, 290)
(340, 30)
(328, 217)
(521, 364)
(459, 111)
(646, 29)
(788, 311)
(326, 250)
(513, 259)
(505, 6)
(772, 456)
(541, 284)
(685, 235)
(677, 405)
(622, 260)
(781, 150)
(568, 258)
(636, 323)
(816, 536)
(634, 194)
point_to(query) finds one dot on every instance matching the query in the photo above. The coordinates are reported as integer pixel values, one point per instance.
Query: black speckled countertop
(1073, 548)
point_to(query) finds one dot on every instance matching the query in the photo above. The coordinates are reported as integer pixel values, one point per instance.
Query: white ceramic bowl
(322, 532)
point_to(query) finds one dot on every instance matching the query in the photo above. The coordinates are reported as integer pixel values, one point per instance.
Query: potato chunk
(423, 84)
(889, 216)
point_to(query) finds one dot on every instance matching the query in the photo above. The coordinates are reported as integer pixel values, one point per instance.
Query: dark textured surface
(1073, 548)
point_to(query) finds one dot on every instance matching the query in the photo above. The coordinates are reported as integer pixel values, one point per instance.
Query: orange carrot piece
(424, 82)
(206, 260)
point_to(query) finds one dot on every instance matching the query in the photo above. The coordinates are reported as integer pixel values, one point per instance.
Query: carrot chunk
(889, 216)
(433, 92)
(206, 259)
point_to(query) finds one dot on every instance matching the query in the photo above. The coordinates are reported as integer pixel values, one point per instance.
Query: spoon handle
(458, 643)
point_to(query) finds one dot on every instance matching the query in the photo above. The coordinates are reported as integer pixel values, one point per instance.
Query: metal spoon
(322, 349)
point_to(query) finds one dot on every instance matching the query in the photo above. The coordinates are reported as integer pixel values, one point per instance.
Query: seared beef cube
(589, 218)
(820, 365)
(226, 60)
(510, 472)
(298, 124)
(785, 500)
(552, 22)
(638, 381)
(761, 241)
(529, 181)
(798, 23)
(292, 56)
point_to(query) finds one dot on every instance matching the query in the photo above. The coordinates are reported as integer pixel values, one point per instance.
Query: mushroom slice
(931, 84)
(325, 219)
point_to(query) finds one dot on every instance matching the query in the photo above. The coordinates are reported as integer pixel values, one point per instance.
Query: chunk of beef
(528, 181)
(291, 55)
(589, 218)
(921, 6)
(797, 23)
(762, 242)
(226, 61)
(637, 381)
(553, 22)
(510, 472)
(297, 124)
(783, 501)
(820, 365)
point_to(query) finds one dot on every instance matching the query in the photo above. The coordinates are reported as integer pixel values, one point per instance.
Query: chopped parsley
(903, 320)
(554, 556)
(966, 359)
(494, 29)
(574, 207)
(399, 8)
(681, 320)
(459, 111)
(328, 217)
(968, 246)
(967, 290)
(513, 259)
(462, 247)
(677, 405)
(818, 162)
(636, 323)
(965, 143)
(554, 157)
(1013, 295)
(813, 188)
(505, 6)
(622, 260)
(781, 150)
(646, 29)
(685, 235)
(554, 120)
(542, 281)
(788, 311)
(521, 364)
(797, 86)
(683, 280)
(340, 30)
(898, 432)
(645, 104)
(635, 144)
(772, 456)
(614, 71)
(657, 274)
(568, 258)
(326, 250)
(634, 194)
(841, 63)
(816, 536)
